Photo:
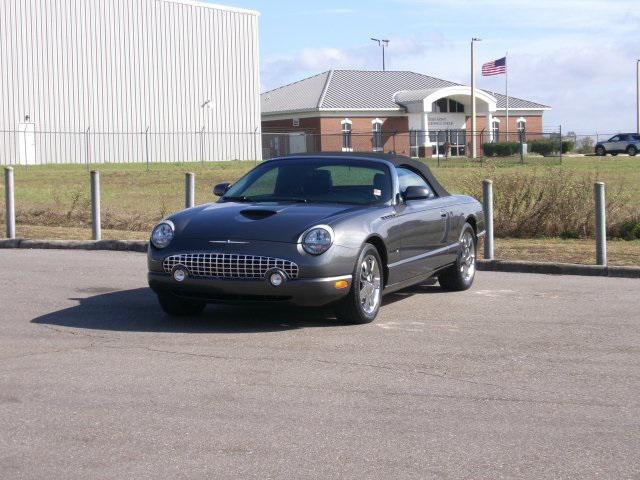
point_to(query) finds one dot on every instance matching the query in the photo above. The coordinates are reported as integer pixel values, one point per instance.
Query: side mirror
(415, 192)
(220, 189)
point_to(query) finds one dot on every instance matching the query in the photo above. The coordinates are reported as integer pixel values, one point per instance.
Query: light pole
(638, 95)
(383, 44)
(473, 97)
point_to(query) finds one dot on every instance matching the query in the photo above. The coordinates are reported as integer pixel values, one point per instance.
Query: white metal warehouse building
(127, 81)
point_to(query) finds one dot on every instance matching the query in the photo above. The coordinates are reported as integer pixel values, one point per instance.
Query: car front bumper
(314, 285)
(308, 292)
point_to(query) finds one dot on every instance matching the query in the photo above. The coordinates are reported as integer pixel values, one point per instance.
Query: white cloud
(579, 56)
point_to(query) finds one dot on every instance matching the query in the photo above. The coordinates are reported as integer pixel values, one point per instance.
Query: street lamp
(473, 98)
(382, 43)
(638, 96)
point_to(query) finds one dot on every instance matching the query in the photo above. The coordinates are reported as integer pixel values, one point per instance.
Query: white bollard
(9, 193)
(96, 226)
(189, 190)
(487, 204)
(601, 224)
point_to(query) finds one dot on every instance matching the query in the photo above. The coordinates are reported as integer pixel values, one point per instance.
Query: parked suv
(620, 143)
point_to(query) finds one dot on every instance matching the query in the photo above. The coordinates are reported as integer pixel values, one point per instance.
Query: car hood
(276, 222)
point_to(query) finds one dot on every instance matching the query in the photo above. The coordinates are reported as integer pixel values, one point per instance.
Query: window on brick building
(377, 135)
(347, 146)
(495, 130)
(447, 105)
(522, 129)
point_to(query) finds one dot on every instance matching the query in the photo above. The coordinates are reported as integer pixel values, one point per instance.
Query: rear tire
(600, 151)
(632, 151)
(614, 154)
(178, 307)
(362, 303)
(459, 276)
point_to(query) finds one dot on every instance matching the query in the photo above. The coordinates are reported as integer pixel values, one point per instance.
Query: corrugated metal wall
(115, 68)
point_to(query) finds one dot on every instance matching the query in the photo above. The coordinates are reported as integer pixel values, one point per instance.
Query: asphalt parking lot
(524, 376)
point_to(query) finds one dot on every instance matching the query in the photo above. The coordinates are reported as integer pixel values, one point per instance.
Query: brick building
(406, 112)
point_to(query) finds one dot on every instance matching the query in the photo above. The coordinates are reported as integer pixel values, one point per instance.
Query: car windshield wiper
(289, 199)
(239, 198)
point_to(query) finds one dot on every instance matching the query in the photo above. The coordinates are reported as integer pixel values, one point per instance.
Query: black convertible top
(397, 160)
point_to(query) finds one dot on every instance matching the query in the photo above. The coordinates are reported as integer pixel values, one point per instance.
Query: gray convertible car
(336, 230)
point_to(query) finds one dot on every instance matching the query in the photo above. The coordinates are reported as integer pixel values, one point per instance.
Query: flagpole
(473, 98)
(506, 88)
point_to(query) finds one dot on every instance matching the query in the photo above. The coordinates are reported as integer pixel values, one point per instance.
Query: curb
(516, 266)
(113, 245)
(512, 266)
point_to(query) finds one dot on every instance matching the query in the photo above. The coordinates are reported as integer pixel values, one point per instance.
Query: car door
(613, 144)
(423, 227)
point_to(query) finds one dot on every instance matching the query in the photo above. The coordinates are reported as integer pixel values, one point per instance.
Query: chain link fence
(442, 147)
(445, 147)
(31, 147)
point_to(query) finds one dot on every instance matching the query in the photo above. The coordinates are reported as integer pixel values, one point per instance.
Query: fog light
(179, 275)
(341, 284)
(276, 279)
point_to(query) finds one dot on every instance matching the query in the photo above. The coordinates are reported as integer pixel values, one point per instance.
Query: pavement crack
(440, 376)
(74, 332)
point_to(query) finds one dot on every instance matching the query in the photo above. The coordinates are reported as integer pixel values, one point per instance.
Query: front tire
(459, 276)
(362, 303)
(600, 151)
(178, 307)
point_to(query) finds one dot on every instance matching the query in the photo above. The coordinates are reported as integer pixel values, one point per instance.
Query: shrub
(547, 147)
(630, 230)
(549, 202)
(585, 145)
(500, 149)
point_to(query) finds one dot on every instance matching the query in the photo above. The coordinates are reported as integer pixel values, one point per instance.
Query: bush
(548, 147)
(500, 149)
(630, 230)
(550, 203)
(585, 145)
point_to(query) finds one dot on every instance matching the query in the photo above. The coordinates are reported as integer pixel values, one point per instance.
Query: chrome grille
(225, 265)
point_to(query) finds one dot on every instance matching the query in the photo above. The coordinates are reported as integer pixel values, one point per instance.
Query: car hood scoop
(258, 213)
(277, 222)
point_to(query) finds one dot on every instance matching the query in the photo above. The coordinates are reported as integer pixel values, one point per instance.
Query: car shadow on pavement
(138, 310)
(410, 292)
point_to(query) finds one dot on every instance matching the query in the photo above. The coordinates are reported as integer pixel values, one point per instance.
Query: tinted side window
(624, 138)
(408, 178)
(615, 139)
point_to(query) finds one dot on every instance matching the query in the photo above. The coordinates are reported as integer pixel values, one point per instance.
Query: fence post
(86, 140)
(487, 203)
(146, 145)
(202, 145)
(601, 224)
(10, 206)
(96, 228)
(189, 190)
(560, 129)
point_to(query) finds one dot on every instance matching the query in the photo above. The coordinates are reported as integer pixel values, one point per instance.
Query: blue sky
(579, 56)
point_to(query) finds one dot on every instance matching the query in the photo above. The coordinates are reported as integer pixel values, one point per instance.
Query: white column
(490, 126)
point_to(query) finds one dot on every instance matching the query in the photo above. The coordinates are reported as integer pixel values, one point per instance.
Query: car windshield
(315, 180)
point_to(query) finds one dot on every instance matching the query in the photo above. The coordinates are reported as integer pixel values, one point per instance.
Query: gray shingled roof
(360, 89)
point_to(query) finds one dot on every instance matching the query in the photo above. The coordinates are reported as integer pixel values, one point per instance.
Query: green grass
(133, 199)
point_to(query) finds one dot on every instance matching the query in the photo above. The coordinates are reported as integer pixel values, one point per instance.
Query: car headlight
(317, 240)
(162, 234)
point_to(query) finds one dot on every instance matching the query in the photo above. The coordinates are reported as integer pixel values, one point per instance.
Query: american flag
(497, 67)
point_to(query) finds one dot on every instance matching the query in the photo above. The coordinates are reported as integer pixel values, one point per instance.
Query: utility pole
(474, 139)
(638, 96)
(383, 44)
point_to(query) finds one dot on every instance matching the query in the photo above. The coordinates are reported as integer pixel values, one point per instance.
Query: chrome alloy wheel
(468, 256)
(369, 284)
